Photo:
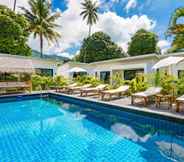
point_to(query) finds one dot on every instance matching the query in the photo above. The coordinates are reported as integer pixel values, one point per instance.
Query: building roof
(133, 58)
(10, 64)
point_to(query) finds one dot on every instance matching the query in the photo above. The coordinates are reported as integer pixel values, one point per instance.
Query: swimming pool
(45, 129)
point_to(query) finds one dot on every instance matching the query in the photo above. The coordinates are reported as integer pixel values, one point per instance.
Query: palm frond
(42, 20)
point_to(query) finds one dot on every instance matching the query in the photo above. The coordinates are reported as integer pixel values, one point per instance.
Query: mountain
(36, 54)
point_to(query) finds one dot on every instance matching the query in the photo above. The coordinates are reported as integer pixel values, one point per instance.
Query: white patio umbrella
(169, 61)
(77, 70)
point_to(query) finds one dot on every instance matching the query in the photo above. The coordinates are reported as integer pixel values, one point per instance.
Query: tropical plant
(42, 21)
(138, 84)
(44, 83)
(117, 80)
(180, 86)
(177, 30)
(13, 33)
(86, 79)
(89, 13)
(168, 83)
(143, 42)
(98, 47)
(174, 27)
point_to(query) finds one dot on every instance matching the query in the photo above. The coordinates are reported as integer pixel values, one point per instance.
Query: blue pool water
(46, 130)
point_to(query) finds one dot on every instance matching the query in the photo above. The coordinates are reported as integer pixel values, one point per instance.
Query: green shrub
(180, 86)
(117, 80)
(44, 83)
(60, 81)
(138, 84)
(81, 80)
(168, 83)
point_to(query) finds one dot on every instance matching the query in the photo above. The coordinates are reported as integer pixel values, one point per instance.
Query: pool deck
(125, 103)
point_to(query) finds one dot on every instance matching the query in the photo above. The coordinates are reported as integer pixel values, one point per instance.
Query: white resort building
(128, 66)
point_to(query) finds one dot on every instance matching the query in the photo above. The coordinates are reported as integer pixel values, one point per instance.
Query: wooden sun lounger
(150, 92)
(65, 89)
(179, 101)
(118, 91)
(94, 90)
(78, 88)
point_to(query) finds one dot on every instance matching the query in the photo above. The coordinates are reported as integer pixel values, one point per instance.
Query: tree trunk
(90, 30)
(14, 5)
(41, 45)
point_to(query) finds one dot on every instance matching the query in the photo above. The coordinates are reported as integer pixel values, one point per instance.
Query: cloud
(65, 54)
(10, 4)
(164, 45)
(73, 29)
(130, 5)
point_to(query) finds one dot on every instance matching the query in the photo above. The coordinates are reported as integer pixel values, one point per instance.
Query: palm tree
(174, 27)
(89, 12)
(42, 21)
(14, 5)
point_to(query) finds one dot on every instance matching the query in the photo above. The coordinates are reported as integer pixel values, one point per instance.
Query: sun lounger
(118, 91)
(65, 89)
(150, 92)
(179, 101)
(78, 88)
(97, 89)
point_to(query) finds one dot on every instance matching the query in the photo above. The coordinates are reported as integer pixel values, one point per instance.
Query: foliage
(177, 30)
(174, 27)
(44, 83)
(168, 83)
(86, 79)
(180, 86)
(143, 42)
(98, 47)
(154, 78)
(138, 84)
(42, 21)
(13, 33)
(177, 44)
(89, 12)
(117, 80)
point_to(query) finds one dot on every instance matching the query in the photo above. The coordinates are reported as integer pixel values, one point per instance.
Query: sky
(118, 18)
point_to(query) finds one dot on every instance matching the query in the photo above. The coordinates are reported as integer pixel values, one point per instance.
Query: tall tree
(177, 30)
(14, 5)
(98, 47)
(90, 13)
(42, 21)
(13, 33)
(143, 42)
(174, 27)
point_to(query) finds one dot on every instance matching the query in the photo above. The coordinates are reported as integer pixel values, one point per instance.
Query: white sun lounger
(118, 91)
(152, 91)
(97, 89)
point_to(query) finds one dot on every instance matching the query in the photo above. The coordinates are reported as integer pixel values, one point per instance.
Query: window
(180, 73)
(131, 74)
(105, 76)
(44, 72)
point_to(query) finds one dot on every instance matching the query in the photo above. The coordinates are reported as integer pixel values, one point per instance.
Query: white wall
(45, 65)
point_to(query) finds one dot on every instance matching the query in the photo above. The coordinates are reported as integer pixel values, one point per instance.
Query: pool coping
(127, 108)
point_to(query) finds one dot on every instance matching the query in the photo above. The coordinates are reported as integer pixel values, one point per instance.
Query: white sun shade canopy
(77, 70)
(166, 62)
(15, 65)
